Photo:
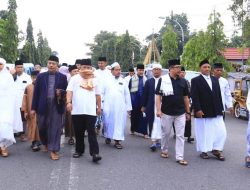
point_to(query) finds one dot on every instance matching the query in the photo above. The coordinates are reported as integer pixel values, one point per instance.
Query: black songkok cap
(218, 66)
(34, 73)
(72, 67)
(54, 58)
(173, 62)
(131, 70)
(65, 64)
(86, 62)
(182, 68)
(102, 59)
(205, 61)
(140, 66)
(18, 62)
(78, 61)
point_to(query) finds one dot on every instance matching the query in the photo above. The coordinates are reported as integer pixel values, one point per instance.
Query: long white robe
(10, 117)
(21, 83)
(115, 106)
(226, 96)
(210, 134)
(156, 130)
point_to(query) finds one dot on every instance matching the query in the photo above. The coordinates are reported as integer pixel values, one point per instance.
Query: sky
(69, 25)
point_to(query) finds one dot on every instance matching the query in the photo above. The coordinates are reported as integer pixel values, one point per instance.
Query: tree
(172, 20)
(43, 49)
(206, 45)
(169, 46)
(240, 9)
(10, 34)
(124, 52)
(104, 45)
(235, 41)
(29, 53)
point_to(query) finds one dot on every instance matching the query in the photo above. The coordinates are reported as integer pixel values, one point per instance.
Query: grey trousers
(167, 124)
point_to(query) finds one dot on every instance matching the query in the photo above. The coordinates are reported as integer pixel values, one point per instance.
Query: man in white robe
(224, 87)
(102, 74)
(149, 107)
(10, 118)
(208, 111)
(116, 104)
(22, 80)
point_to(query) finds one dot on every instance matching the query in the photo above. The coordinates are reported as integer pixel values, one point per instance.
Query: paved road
(134, 167)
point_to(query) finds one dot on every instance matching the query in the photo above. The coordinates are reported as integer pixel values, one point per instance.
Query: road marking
(57, 170)
(73, 178)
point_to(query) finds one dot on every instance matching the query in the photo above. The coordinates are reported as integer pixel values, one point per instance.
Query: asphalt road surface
(134, 167)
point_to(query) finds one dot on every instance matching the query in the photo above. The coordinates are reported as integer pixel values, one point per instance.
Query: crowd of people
(73, 99)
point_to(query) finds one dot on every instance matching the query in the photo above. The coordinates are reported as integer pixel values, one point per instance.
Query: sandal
(247, 161)
(118, 146)
(218, 155)
(4, 152)
(182, 162)
(204, 155)
(54, 156)
(164, 155)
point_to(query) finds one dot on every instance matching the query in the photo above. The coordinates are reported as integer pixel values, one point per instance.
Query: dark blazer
(149, 99)
(204, 99)
(39, 102)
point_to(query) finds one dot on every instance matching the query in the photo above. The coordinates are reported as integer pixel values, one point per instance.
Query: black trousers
(135, 120)
(82, 123)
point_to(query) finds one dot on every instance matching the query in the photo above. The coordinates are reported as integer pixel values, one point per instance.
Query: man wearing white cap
(116, 104)
(149, 107)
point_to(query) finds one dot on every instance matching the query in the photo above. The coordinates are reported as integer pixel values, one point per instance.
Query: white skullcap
(114, 65)
(2, 60)
(157, 66)
(108, 67)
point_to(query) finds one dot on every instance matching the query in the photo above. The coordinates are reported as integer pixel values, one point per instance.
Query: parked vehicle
(28, 67)
(240, 83)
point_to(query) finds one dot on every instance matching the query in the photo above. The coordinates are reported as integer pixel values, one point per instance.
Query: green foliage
(235, 41)
(206, 45)
(172, 20)
(169, 46)
(29, 52)
(43, 49)
(125, 54)
(10, 34)
(116, 48)
(241, 18)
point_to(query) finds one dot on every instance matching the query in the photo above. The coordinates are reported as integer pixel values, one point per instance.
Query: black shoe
(35, 148)
(190, 140)
(96, 158)
(153, 147)
(107, 141)
(77, 155)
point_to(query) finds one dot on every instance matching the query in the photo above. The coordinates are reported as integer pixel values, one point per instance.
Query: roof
(239, 75)
(236, 54)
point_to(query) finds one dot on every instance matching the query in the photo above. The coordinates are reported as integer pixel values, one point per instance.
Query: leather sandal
(164, 155)
(204, 155)
(218, 155)
(118, 146)
(54, 156)
(4, 152)
(182, 162)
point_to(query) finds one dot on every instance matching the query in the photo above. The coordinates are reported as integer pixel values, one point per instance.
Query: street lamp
(182, 32)
(140, 48)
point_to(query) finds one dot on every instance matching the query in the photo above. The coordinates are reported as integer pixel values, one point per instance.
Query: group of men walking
(154, 106)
